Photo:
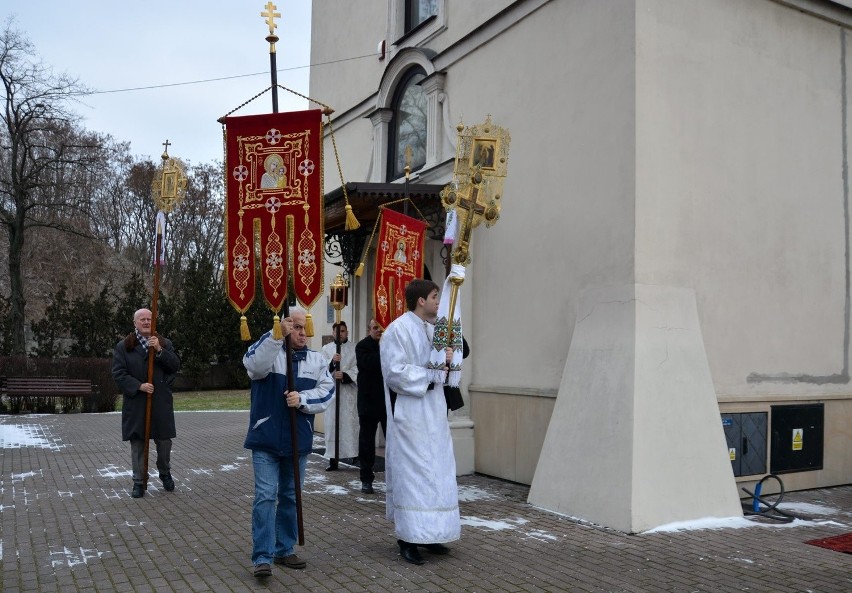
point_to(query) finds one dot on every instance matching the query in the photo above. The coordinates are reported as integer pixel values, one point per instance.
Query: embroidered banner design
(273, 179)
(399, 259)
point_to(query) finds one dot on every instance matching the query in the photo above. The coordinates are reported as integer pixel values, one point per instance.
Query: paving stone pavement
(69, 524)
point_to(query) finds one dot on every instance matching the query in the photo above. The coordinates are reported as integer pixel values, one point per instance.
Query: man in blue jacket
(274, 525)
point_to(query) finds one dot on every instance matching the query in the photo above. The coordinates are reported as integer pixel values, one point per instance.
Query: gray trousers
(137, 456)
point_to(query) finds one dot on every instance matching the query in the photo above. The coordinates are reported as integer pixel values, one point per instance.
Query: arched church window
(408, 126)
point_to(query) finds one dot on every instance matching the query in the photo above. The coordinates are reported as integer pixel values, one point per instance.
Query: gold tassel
(276, 328)
(309, 326)
(351, 222)
(245, 334)
(360, 269)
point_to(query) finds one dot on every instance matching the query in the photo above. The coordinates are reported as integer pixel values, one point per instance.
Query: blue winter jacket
(269, 420)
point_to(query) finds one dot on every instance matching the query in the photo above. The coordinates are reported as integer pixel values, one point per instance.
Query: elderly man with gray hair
(130, 371)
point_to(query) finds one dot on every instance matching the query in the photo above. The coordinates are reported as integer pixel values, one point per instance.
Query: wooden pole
(151, 354)
(272, 38)
(294, 438)
(337, 395)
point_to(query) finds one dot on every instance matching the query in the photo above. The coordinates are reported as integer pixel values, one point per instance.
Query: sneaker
(291, 561)
(367, 488)
(263, 570)
(168, 483)
(138, 491)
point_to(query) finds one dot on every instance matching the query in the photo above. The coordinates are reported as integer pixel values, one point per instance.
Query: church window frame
(415, 126)
(411, 26)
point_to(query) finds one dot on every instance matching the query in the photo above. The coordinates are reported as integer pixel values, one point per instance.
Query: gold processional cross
(169, 187)
(482, 155)
(270, 15)
(471, 212)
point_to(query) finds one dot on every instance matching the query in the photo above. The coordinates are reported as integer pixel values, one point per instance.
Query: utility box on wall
(797, 438)
(745, 434)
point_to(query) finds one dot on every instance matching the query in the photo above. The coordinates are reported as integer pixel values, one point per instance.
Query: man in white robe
(420, 468)
(347, 374)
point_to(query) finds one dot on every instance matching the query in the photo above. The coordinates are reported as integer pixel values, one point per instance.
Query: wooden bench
(39, 394)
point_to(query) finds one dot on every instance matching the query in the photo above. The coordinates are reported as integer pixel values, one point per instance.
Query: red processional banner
(274, 204)
(399, 259)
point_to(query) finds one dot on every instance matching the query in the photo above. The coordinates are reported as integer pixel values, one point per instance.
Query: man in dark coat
(130, 371)
(371, 402)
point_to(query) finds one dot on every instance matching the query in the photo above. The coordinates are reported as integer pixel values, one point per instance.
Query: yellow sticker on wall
(732, 453)
(797, 439)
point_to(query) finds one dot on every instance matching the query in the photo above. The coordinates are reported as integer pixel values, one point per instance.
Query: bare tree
(127, 212)
(196, 232)
(48, 163)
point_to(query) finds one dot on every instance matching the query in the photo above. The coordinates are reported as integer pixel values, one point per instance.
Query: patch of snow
(806, 507)
(17, 436)
(72, 558)
(329, 489)
(487, 524)
(541, 535)
(20, 477)
(114, 471)
(472, 494)
(732, 523)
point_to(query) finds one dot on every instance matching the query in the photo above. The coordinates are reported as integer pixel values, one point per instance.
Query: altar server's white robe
(420, 468)
(348, 398)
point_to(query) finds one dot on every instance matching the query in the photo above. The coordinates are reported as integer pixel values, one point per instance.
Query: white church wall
(740, 186)
(567, 215)
(348, 30)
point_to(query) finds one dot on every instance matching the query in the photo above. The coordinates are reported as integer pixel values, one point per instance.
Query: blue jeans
(274, 526)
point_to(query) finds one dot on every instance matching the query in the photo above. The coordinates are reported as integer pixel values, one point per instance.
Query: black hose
(770, 505)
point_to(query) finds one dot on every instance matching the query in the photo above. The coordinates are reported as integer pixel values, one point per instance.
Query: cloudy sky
(155, 64)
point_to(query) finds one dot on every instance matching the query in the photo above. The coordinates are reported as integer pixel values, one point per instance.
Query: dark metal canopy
(344, 247)
(366, 198)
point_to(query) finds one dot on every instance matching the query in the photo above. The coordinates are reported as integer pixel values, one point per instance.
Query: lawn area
(195, 401)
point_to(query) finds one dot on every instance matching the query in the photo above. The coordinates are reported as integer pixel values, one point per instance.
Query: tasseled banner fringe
(309, 325)
(276, 328)
(245, 334)
(351, 222)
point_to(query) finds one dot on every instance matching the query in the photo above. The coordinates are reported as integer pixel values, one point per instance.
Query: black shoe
(138, 491)
(367, 488)
(409, 552)
(168, 483)
(291, 561)
(263, 570)
(332, 466)
(439, 549)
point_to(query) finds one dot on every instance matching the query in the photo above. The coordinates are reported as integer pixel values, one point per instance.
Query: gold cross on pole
(169, 187)
(468, 210)
(270, 15)
(471, 211)
(474, 195)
